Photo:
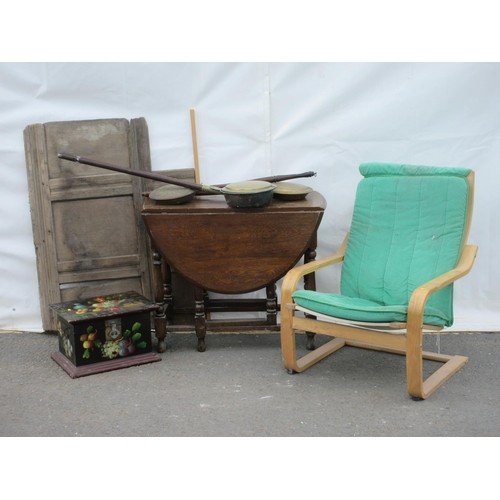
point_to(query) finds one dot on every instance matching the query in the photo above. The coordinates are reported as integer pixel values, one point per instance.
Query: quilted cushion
(407, 227)
(356, 309)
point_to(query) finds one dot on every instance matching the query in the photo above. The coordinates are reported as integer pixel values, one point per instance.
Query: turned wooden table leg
(168, 296)
(199, 318)
(310, 284)
(271, 304)
(160, 316)
(206, 301)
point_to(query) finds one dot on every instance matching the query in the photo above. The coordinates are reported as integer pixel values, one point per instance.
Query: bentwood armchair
(406, 246)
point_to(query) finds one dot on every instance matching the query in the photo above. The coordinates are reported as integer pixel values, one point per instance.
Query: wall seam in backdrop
(266, 70)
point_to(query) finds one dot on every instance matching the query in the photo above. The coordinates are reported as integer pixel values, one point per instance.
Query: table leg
(200, 318)
(271, 304)
(206, 301)
(310, 284)
(159, 296)
(168, 295)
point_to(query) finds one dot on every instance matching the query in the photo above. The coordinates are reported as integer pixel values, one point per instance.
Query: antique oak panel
(87, 229)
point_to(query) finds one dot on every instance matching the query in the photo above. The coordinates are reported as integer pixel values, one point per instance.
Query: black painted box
(110, 332)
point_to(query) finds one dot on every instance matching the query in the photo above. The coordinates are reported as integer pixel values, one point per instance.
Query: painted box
(104, 333)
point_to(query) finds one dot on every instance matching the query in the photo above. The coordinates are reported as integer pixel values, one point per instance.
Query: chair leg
(318, 354)
(288, 344)
(442, 374)
(418, 388)
(414, 365)
(411, 347)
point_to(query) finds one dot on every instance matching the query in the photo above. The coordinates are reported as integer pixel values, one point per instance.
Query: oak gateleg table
(228, 251)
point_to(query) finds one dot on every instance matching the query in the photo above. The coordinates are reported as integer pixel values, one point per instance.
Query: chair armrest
(422, 293)
(293, 276)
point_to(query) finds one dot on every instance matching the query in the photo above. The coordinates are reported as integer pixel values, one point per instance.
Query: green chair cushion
(356, 309)
(407, 227)
(399, 169)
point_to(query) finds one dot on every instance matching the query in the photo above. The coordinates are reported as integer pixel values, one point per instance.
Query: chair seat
(357, 309)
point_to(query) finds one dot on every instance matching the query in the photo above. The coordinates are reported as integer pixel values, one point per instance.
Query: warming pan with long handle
(213, 189)
(250, 194)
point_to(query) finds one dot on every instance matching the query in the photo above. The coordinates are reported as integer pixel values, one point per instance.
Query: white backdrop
(257, 119)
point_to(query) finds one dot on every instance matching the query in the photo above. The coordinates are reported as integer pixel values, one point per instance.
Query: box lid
(105, 306)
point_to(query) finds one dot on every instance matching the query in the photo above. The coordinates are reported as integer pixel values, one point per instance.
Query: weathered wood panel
(87, 227)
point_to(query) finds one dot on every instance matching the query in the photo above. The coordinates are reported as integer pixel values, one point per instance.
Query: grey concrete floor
(239, 388)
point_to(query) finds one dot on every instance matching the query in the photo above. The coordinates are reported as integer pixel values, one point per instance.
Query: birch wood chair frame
(409, 344)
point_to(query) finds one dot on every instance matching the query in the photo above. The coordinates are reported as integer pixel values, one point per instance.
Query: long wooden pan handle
(278, 178)
(215, 189)
(139, 173)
